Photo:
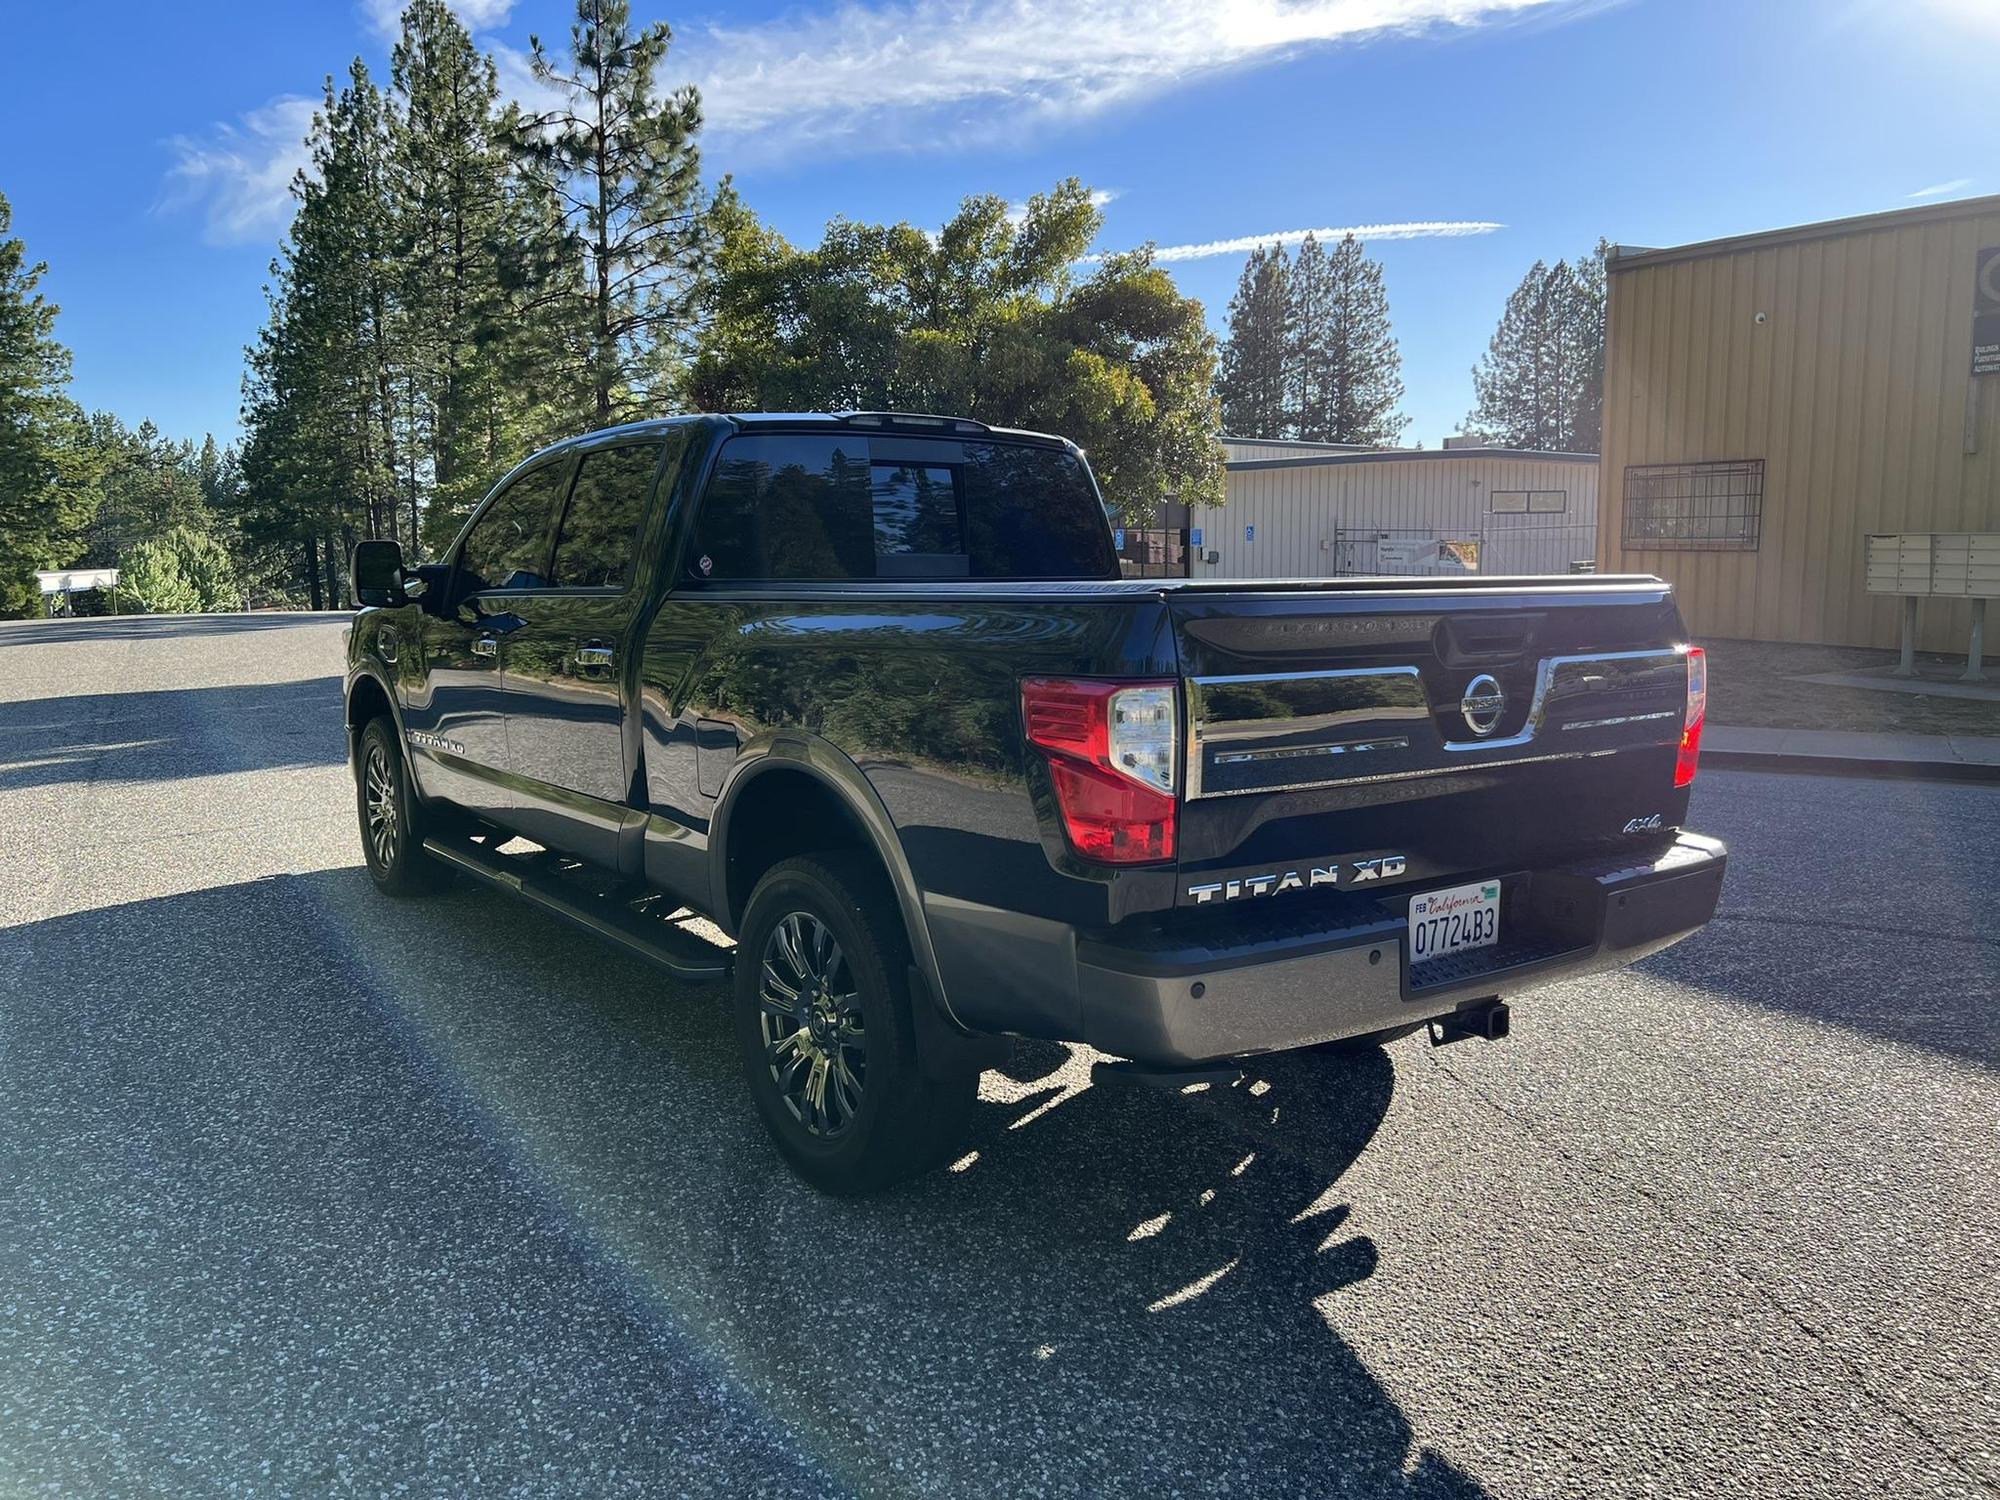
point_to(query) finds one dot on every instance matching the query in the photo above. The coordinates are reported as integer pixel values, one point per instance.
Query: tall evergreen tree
(620, 165)
(145, 484)
(1347, 374)
(1257, 355)
(448, 173)
(45, 462)
(1540, 383)
(320, 397)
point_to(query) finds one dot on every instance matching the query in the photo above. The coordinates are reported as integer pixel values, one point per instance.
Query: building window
(1527, 502)
(1157, 552)
(1705, 507)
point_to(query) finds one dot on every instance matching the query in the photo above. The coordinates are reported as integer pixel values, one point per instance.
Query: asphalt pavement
(304, 1191)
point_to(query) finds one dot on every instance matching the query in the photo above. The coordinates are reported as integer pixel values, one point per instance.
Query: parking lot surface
(306, 1191)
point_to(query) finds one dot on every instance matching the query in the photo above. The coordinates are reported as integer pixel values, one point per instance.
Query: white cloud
(1943, 189)
(941, 72)
(1426, 229)
(242, 174)
(1017, 213)
(867, 77)
(386, 16)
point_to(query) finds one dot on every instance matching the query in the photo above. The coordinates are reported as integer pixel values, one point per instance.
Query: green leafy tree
(1346, 369)
(1540, 383)
(987, 318)
(46, 459)
(1257, 353)
(615, 174)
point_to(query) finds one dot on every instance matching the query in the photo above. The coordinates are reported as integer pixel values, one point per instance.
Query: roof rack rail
(925, 420)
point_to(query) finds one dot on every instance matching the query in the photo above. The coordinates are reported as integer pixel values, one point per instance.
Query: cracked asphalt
(304, 1191)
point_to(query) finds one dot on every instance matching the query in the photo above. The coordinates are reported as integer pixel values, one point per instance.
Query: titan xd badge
(1337, 873)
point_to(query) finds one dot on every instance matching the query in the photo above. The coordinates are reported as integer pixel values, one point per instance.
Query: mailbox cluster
(1937, 564)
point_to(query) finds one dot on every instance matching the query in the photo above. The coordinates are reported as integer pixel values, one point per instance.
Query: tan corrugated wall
(1300, 510)
(1853, 392)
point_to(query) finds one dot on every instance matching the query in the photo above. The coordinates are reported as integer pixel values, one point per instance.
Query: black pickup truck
(867, 693)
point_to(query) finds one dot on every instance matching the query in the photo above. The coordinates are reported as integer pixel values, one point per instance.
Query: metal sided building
(1329, 513)
(1771, 400)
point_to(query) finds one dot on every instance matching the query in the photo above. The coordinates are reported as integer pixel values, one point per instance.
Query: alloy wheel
(379, 789)
(809, 1012)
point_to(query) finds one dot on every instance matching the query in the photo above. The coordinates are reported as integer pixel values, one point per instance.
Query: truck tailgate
(1382, 733)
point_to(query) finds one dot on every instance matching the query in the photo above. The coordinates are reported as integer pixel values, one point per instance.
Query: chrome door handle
(485, 645)
(593, 656)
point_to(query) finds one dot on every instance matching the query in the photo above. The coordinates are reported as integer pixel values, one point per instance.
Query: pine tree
(615, 270)
(1306, 377)
(320, 396)
(1541, 382)
(1255, 359)
(1346, 369)
(1587, 307)
(448, 175)
(45, 460)
(1364, 368)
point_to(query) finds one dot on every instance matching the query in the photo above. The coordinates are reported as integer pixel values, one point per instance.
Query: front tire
(391, 832)
(825, 1031)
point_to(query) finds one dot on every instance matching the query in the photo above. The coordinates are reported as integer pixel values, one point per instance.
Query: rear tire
(392, 828)
(825, 1031)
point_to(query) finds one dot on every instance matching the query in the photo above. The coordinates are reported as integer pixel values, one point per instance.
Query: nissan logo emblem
(1482, 705)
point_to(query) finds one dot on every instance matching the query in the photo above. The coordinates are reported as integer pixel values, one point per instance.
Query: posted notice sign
(1986, 314)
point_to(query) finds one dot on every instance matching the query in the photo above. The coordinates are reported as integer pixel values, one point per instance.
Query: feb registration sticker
(1446, 922)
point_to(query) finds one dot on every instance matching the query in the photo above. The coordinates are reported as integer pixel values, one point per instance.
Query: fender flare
(388, 690)
(793, 750)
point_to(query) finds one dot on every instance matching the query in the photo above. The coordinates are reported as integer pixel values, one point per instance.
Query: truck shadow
(449, 1145)
(165, 736)
(154, 627)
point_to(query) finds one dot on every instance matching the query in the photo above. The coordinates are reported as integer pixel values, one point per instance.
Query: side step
(535, 877)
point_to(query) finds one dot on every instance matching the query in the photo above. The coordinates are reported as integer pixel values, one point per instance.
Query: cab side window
(600, 529)
(508, 546)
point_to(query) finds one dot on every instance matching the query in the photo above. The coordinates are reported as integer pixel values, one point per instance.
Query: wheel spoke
(847, 1088)
(778, 996)
(787, 937)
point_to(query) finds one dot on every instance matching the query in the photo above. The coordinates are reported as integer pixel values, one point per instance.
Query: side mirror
(378, 573)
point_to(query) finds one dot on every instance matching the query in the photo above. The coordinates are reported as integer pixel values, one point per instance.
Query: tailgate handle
(1479, 640)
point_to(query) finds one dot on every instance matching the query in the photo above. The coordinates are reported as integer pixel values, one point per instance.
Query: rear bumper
(1278, 977)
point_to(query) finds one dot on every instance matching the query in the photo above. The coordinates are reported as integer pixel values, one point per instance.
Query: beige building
(1771, 400)
(1325, 512)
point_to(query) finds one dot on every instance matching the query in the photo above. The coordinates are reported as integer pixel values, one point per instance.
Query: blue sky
(145, 147)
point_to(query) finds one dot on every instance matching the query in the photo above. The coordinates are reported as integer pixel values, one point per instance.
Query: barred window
(1703, 507)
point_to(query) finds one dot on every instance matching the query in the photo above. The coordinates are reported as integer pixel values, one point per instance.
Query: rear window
(808, 508)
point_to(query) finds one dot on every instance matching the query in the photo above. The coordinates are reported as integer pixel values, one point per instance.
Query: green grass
(1754, 684)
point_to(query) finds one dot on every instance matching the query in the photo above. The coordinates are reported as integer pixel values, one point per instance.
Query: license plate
(1446, 922)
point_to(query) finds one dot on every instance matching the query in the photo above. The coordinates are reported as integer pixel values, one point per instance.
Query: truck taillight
(1691, 722)
(1113, 749)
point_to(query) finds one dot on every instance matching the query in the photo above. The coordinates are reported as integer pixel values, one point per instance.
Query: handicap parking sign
(1249, 533)
(1194, 537)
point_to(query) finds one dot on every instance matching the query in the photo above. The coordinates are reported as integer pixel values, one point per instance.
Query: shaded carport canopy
(75, 580)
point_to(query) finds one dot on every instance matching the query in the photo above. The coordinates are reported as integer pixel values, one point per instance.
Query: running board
(534, 877)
